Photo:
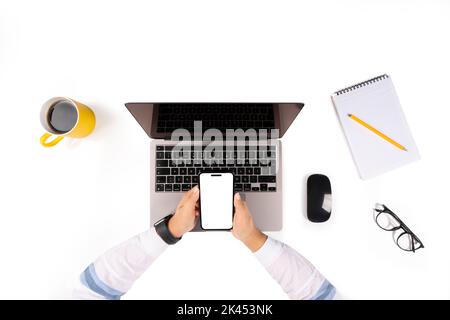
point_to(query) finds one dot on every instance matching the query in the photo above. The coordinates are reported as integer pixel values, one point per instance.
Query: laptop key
(159, 187)
(162, 171)
(162, 163)
(255, 189)
(247, 187)
(267, 179)
(167, 155)
(183, 171)
(253, 179)
(185, 187)
(191, 171)
(198, 170)
(170, 179)
(241, 171)
(159, 155)
(237, 179)
(272, 189)
(174, 171)
(159, 148)
(176, 187)
(187, 179)
(263, 186)
(198, 155)
(160, 179)
(168, 187)
(194, 179)
(245, 179)
(249, 171)
(257, 171)
(237, 187)
(230, 163)
(179, 179)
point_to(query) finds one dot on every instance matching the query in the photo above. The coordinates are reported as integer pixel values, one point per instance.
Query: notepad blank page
(378, 105)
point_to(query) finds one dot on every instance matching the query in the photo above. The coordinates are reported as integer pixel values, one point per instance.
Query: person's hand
(243, 227)
(185, 216)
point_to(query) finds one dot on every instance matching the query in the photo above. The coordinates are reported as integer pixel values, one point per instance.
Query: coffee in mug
(63, 117)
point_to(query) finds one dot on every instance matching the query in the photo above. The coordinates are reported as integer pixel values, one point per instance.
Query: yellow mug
(65, 117)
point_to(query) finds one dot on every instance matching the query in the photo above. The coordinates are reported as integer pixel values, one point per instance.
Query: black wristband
(162, 229)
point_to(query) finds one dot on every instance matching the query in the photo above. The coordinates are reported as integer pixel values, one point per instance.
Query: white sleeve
(296, 275)
(113, 273)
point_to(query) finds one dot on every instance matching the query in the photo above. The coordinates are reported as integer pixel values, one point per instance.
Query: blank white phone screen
(216, 200)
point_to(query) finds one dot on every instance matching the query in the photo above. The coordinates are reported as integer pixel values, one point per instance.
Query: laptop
(242, 138)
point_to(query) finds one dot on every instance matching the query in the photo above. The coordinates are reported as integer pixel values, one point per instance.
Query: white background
(61, 207)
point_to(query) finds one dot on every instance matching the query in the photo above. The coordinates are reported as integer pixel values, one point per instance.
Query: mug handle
(52, 143)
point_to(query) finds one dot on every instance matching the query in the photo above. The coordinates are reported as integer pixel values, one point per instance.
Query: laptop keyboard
(254, 170)
(215, 115)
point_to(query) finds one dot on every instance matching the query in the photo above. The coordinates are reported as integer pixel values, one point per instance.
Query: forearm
(295, 274)
(255, 240)
(113, 273)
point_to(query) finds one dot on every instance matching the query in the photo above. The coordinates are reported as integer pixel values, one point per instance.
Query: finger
(192, 198)
(196, 221)
(194, 195)
(238, 202)
(187, 195)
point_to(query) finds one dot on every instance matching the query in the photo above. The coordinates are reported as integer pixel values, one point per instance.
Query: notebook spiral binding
(361, 84)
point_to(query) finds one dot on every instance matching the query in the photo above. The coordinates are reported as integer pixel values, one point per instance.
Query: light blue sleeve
(113, 273)
(294, 273)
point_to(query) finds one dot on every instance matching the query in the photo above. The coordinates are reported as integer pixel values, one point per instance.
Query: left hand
(185, 216)
(243, 227)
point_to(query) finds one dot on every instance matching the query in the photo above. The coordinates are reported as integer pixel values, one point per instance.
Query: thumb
(192, 196)
(238, 202)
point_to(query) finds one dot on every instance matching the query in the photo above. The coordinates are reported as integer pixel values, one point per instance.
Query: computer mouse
(318, 198)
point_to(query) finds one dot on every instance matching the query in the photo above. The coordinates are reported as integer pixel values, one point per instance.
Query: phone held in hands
(216, 201)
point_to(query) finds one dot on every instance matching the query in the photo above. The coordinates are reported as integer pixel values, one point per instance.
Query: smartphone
(216, 201)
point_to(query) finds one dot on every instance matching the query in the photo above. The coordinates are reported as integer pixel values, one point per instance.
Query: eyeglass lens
(386, 221)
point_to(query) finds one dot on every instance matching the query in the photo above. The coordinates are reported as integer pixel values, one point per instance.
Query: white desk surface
(62, 207)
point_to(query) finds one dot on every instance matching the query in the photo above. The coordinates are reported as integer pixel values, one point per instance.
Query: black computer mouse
(318, 198)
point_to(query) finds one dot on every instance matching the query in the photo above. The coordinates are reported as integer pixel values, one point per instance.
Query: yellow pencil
(379, 133)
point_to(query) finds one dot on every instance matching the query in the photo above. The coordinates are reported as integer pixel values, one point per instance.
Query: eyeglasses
(403, 236)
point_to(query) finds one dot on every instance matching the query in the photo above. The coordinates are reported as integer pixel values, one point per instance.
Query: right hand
(185, 216)
(243, 227)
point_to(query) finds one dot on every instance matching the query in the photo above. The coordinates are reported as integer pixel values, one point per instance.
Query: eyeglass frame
(402, 226)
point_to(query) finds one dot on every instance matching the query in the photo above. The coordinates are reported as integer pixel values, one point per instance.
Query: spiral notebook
(375, 102)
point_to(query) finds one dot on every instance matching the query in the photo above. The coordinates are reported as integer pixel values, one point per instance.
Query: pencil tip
(349, 114)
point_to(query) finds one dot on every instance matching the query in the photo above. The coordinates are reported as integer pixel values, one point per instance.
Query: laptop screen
(160, 120)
